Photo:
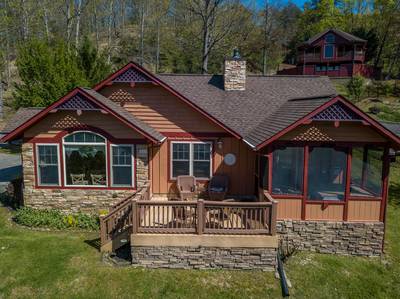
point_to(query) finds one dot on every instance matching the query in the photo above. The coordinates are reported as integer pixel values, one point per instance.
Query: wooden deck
(141, 214)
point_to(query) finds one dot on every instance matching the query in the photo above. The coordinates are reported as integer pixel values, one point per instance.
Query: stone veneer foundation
(348, 238)
(184, 257)
(74, 200)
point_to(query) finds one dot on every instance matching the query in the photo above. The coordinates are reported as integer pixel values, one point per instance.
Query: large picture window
(366, 172)
(327, 173)
(122, 161)
(191, 158)
(85, 159)
(48, 165)
(287, 170)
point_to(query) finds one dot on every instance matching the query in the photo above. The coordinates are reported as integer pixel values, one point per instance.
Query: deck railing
(119, 218)
(139, 214)
(209, 217)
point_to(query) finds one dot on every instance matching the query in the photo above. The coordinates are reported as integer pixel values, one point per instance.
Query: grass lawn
(64, 264)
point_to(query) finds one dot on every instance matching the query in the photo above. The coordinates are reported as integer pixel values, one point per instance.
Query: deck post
(134, 216)
(274, 209)
(200, 216)
(103, 229)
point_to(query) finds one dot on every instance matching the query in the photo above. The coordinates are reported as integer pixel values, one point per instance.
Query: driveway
(10, 168)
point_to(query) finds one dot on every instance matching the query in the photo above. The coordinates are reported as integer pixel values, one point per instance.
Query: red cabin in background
(332, 53)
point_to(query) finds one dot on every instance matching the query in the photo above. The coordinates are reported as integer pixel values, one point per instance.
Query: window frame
(330, 38)
(38, 177)
(191, 157)
(133, 167)
(333, 51)
(63, 143)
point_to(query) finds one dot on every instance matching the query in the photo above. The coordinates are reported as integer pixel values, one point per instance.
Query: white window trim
(39, 183)
(83, 143)
(191, 160)
(132, 146)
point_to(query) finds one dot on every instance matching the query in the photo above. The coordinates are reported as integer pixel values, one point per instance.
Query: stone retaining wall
(348, 238)
(204, 258)
(73, 200)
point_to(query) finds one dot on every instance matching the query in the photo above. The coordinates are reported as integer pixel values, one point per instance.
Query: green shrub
(355, 88)
(55, 219)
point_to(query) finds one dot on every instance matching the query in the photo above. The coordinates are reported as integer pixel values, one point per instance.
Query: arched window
(85, 162)
(330, 38)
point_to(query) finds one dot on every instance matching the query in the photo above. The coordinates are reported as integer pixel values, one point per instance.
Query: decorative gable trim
(78, 102)
(337, 112)
(131, 75)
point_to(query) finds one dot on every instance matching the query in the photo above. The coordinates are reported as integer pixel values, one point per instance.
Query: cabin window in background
(287, 170)
(48, 165)
(328, 51)
(122, 165)
(191, 158)
(85, 159)
(327, 173)
(366, 172)
(330, 38)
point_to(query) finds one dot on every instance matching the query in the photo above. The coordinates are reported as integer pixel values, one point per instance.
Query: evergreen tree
(92, 63)
(46, 73)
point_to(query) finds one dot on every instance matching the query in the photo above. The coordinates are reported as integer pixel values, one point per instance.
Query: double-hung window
(122, 165)
(191, 158)
(48, 166)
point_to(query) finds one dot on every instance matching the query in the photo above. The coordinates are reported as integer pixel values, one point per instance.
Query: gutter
(249, 144)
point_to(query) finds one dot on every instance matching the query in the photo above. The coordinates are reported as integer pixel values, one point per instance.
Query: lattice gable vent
(337, 111)
(131, 75)
(78, 102)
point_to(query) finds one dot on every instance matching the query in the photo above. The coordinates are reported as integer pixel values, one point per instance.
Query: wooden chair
(218, 187)
(79, 179)
(186, 187)
(98, 179)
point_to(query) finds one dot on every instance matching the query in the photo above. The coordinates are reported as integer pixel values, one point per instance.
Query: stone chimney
(235, 72)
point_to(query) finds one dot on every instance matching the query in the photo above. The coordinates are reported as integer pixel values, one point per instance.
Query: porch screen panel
(201, 160)
(287, 170)
(122, 165)
(366, 172)
(180, 159)
(327, 173)
(48, 168)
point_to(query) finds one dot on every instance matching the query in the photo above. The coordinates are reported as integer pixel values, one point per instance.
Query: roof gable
(89, 100)
(328, 111)
(347, 36)
(133, 70)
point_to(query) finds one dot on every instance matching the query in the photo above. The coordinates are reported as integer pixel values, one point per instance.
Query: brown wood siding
(159, 108)
(346, 132)
(364, 210)
(289, 208)
(331, 212)
(54, 123)
(241, 175)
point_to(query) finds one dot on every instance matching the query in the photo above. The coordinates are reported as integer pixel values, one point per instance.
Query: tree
(92, 62)
(46, 73)
(355, 88)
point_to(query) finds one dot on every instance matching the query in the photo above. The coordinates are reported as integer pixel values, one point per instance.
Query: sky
(299, 3)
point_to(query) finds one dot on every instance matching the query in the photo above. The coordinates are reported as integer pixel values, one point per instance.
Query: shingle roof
(126, 115)
(345, 35)
(265, 99)
(21, 116)
(392, 126)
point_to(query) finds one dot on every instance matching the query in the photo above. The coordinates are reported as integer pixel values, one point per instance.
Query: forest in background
(49, 46)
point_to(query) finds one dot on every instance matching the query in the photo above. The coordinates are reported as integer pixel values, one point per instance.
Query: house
(305, 166)
(332, 53)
